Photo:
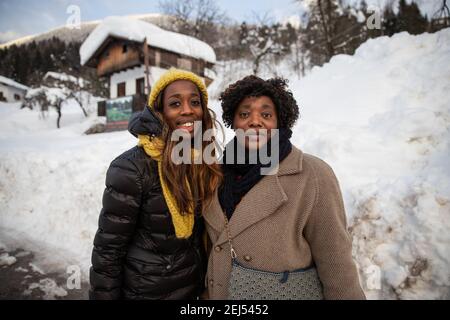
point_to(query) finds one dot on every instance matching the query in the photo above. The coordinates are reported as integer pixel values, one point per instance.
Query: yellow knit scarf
(184, 224)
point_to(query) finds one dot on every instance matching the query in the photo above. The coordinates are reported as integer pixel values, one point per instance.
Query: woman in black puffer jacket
(149, 244)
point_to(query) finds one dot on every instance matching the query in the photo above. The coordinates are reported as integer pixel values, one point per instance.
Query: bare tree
(325, 11)
(441, 19)
(44, 98)
(263, 39)
(198, 18)
(331, 30)
(298, 55)
(76, 93)
(58, 90)
(77, 87)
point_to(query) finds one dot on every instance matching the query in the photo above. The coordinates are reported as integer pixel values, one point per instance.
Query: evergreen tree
(391, 24)
(410, 18)
(263, 42)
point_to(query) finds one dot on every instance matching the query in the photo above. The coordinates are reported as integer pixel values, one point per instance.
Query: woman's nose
(255, 121)
(186, 108)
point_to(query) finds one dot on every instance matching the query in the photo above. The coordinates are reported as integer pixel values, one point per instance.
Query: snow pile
(6, 259)
(51, 183)
(21, 126)
(53, 95)
(49, 287)
(21, 269)
(381, 118)
(137, 30)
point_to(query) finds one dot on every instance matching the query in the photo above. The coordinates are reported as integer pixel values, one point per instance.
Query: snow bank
(6, 259)
(137, 30)
(381, 118)
(51, 183)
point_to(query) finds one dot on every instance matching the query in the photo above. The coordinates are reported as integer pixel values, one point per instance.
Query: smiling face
(182, 105)
(255, 113)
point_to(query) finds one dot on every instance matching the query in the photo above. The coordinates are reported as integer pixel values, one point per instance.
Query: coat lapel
(213, 214)
(260, 202)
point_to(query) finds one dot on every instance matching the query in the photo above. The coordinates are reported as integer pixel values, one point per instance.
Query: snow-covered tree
(411, 19)
(44, 98)
(76, 87)
(59, 89)
(266, 41)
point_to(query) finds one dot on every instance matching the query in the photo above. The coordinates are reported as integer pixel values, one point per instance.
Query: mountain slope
(78, 35)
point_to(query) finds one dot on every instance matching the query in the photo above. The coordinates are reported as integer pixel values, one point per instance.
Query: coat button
(247, 258)
(168, 267)
(218, 248)
(211, 282)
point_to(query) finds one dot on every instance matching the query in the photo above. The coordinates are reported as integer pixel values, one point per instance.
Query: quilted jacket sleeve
(117, 221)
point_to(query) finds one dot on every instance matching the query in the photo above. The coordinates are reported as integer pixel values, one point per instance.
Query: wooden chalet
(132, 64)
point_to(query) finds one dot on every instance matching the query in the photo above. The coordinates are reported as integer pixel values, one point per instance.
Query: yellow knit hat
(172, 75)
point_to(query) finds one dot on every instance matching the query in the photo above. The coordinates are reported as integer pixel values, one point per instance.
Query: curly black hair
(253, 86)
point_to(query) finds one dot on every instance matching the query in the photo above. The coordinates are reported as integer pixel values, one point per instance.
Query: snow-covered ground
(380, 118)
(51, 183)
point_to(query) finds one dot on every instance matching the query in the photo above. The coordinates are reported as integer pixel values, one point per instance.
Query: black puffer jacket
(136, 254)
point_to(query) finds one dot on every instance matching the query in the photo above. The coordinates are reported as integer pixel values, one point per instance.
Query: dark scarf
(240, 178)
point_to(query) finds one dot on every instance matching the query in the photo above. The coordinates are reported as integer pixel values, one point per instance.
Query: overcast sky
(24, 17)
(19, 18)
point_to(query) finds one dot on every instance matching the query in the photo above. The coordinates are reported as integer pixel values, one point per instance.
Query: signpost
(118, 112)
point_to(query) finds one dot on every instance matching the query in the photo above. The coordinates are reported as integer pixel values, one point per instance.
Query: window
(2, 97)
(121, 89)
(16, 97)
(140, 86)
(107, 53)
(124, 48)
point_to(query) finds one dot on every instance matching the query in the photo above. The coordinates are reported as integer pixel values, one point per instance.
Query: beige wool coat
(287, 221)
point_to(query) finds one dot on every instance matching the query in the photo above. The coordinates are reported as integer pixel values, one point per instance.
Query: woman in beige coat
(281, 222)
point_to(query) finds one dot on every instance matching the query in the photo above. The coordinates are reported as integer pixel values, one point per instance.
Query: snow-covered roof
(12, 83)
(137, 30)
